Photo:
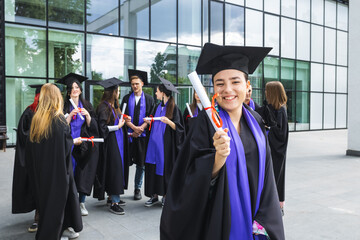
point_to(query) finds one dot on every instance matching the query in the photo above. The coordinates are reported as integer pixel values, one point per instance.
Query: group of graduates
(225, 184)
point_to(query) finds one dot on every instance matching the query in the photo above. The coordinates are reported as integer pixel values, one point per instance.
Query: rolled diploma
(93, 140)
(75, 107)
(123, 112)
(150, 118)
(188, 108)
(195, 81)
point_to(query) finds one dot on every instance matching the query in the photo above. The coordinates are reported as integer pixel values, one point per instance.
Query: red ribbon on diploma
(74, 117)
(188, 116)
(151, 121)
(90, 138)
(125, 116)
(214, 114)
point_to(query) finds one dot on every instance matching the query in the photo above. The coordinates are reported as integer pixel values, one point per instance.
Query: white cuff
(113, 128)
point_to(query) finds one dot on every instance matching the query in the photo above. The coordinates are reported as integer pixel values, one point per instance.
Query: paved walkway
(322, 197)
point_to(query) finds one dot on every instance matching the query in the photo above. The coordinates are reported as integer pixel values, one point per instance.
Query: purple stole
(196, 112)
(131, 107)
(252, 104)
(155, 149)
(75, 126)
(238, 182)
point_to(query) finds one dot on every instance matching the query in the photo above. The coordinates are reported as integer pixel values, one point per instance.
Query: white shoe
(70, 233)
(84, 211)
(64, 238)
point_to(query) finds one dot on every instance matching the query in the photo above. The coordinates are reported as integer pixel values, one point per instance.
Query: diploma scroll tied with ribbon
(189, 110)
(75, 107)
(123, 112)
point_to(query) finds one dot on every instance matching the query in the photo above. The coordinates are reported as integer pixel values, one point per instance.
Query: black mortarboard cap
(110, 83)
(141, 74)
(215, 58)
(70, 78)
(37, 87)
(168, 85)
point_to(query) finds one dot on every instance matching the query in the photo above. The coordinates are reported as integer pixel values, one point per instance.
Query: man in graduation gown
(139, 105)
(239, 201)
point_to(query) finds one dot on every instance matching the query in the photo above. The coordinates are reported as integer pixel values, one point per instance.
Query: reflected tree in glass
(33, 11)
(67, 13)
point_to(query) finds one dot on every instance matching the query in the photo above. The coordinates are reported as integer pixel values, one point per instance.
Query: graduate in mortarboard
(84, 157)
(166, 138)
(222, 186)
(195, 108)
(113, 167)
(139, 105)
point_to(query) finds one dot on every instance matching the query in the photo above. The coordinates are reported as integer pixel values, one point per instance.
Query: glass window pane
(341, 114)
(25, 11)
(272, 6)
(256, 77)
(317, 73)
(254, 28)
(329, 78)
(187, 61)
(287, 38)
(134, 18)
(302, 76)
(25, 52)
(330, 13)
(302, 111)
(303, 41)
(158, 59)
(66, 14)
(288, 74)
(163, 20)
(66, 53)
(291, 109)
(341, 79)
(317, 43)
(18, 95)
(288, 8)
(272, 33)
(271, 69)
(317, 11)
(342, 17)
(205, 22)
(329, 111)
(234, 25)
(190, 22)
(238, 2)
(257, 4)
(330, 46)
(109, 57)
(216, 23)
(316, 111)
(103, 16)
(303, 10)
(342, 48)
(257, 96)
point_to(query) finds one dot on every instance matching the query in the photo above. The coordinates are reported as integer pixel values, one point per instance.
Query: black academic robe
(197, 209)
(112, 176)
(173, 140)
(188, 121)
(278, 140)
(51, 173)
(86, 155)
(22, 194)
(138, 145)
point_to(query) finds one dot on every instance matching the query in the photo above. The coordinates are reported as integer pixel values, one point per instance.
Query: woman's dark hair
(67, 103)
(170, 103)
(110, 97)
(193, 105)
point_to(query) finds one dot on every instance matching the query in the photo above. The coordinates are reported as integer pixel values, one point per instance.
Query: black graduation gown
(51, 173)
(109, 177)
(194, 209)
(278, 140)
(173, 140)
(188, 121)
(86, 155)
(22, 194)
(139, 145)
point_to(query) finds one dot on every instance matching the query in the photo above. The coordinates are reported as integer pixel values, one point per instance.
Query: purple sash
(75, 126)
(196, 112)
(155, 150)
(131, 108)
(252, 104)
(239, 191)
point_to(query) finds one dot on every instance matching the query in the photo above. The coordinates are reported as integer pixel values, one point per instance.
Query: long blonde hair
(275, 94)
(50, 107)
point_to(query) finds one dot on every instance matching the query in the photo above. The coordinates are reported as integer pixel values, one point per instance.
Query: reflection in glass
(25, 11)
(317, 43)
(288, 73)
(341, 114)
(317, 74)
(205, 20)
(272, 6)
(238, 2)
(158, 59)
(257, 96)
(216, 23)
(66, 53)
(103, 16)
(341, 79)
(303, 41)
(288, 8)
(234, 25)
(163, 20)
(109, 57)
(329, 78)
(317, 11)
(330, 13)
(66, 14)
(272, 33)
(330, 46)
(134, 18)
(186, 94)
(271, 69)
(302, 76)
(256, 77)
(190, 22)
(303, 10)
(302, 110)
(287, 38)
(257, 4)
(342, 17)
(187, 61)
(329, 110)
(291, 109)
(342, 47)
(254, 28)
(25, 51)
(316, 111)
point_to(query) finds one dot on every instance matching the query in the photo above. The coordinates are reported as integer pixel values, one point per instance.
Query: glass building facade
(47, 39)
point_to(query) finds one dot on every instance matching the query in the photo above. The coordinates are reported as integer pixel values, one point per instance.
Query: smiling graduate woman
(222, 186)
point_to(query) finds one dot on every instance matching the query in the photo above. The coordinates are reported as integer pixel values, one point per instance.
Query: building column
(2, 64)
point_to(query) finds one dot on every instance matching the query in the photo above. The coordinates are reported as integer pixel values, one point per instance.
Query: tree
(157, 68)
